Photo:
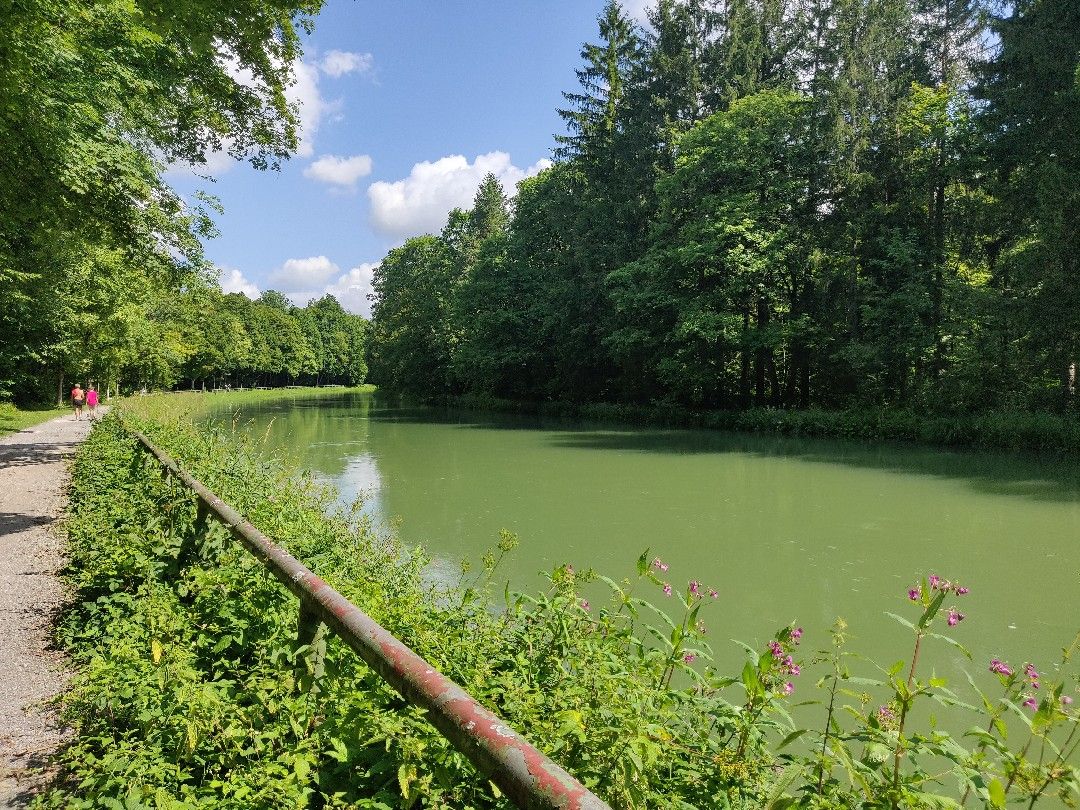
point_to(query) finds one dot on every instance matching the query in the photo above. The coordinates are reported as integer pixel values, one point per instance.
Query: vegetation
(102, 273)
(1043, 434)
(13, 419)
(229, 339)
(190, 692)
(841, 204)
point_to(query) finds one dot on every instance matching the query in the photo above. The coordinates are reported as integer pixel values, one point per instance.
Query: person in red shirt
(78, 397)
(91, 401)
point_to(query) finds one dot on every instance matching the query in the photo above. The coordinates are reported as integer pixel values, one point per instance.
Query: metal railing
(524, 774)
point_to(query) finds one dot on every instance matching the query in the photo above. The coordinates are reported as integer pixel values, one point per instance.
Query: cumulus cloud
(303, 274)
(338, 63)
(232, 281)
(339, 171)
(312, 107)
(420, 202)
(352, 289)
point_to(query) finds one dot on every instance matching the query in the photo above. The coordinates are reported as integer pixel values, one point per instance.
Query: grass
(197, 400)
(13, 419)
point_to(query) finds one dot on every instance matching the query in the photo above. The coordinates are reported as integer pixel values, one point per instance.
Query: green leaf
(932, 609)
(902, 621)
(643, 563)
(996, 793)
(790, 738)
(953, 642)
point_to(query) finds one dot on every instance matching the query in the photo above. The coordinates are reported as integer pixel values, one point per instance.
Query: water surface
(784, 529)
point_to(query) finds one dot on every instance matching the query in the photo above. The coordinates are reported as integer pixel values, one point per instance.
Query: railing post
(310, 633)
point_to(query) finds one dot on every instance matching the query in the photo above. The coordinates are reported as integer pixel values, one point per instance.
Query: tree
(1031, 93)
(95, 98)
(699, 312)
(410, 315)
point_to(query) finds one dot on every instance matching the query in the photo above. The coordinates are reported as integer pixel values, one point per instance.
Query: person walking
(92, 401)
(78, 397)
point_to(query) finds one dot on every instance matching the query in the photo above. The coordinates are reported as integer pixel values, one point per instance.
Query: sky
(405, 106)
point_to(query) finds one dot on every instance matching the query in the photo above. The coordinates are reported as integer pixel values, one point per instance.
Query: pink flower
(934, 581)
(585, 605)
(885, 714)
(776, 650)
(713, 593)
(695, 587)
(962, 591)
(913, 594)
(688, 658)
(667, 589)
(1032, 675)
(955, 617)
(1031, 703)
(796, 634)
(999, 667)
(789, 687)
(1066, 700)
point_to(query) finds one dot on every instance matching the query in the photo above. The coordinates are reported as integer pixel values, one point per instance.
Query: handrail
(524, 774)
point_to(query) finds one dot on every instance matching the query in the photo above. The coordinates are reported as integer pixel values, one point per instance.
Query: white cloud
(312, 107)
(232, 280)
(339, 171)
(420, 202)
(303, 274)
(338, 63)
(352, 289)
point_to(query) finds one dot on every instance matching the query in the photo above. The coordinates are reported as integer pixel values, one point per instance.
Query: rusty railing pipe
(524, 774)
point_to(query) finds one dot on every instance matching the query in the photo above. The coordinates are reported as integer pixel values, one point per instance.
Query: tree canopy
(98, 254)
(779, 203)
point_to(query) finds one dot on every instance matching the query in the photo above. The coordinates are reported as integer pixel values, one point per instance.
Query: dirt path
(33, 477)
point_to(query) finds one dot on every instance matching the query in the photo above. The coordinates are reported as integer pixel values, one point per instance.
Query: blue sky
(405, 105)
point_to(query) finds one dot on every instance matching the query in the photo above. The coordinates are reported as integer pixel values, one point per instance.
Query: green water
(784, 529)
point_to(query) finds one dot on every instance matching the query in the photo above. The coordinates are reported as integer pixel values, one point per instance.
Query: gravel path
(33, 478)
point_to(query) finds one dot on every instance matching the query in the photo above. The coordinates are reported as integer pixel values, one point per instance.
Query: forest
(103, 274)
(774, 203)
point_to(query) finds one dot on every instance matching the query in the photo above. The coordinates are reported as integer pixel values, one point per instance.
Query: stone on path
(33, 481)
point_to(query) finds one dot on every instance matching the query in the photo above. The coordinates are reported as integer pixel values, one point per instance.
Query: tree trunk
(761, 354)
(60, 391)
(744, 364)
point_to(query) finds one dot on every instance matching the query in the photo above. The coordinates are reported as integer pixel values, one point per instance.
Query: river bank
(1011, 431)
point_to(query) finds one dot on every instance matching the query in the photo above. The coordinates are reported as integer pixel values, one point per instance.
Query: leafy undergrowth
(189, 692)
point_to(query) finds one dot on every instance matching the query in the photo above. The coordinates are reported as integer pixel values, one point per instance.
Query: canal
(783, 529)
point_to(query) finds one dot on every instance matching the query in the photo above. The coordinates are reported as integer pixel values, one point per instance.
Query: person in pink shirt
(92, 401)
